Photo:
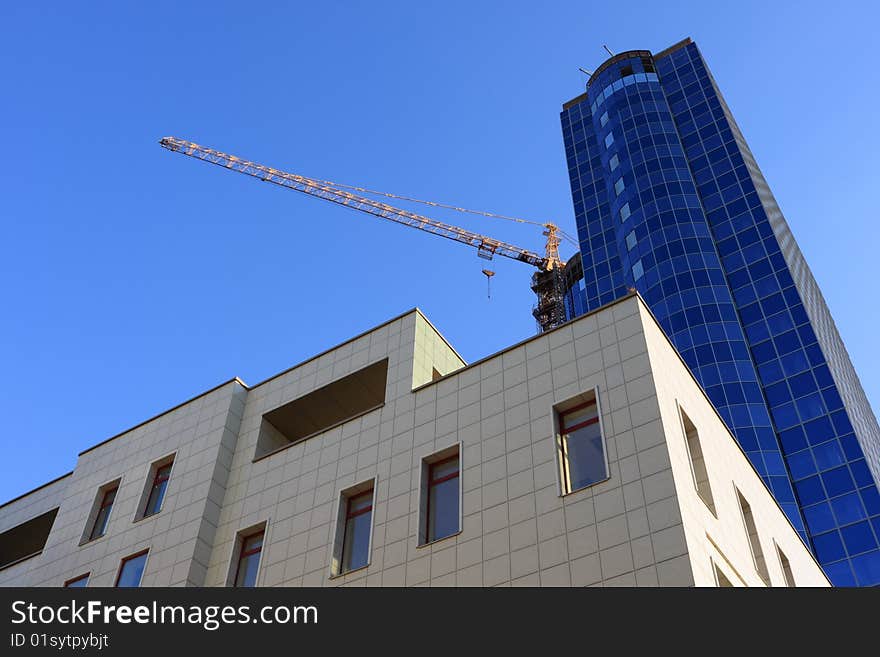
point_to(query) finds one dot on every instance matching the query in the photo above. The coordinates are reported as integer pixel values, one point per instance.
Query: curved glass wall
(653, 235)
(669, 200)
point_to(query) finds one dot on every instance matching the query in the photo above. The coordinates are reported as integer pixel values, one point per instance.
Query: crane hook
(489, 274)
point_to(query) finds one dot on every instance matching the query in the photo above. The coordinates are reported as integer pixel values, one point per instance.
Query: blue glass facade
(668, 201)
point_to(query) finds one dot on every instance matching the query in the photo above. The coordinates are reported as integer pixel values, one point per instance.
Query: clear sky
(134, 278)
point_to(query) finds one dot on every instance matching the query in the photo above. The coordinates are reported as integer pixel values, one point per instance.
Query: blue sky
(134, 278)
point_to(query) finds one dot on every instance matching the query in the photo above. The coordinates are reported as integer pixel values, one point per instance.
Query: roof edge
(482, 360)
(411, 311)
(34, 490)
(675, 46)
(440, 335)
(165, 412)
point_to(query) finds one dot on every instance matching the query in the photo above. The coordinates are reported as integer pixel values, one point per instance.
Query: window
(354, 528)
(631, 240)
(581, 446)
(27, 539)
(786, 568)
(106, 497)
(625, 212)
(157, 484)
(77, 582)
(754, 541)
(647, 65)
(609, 139)
(619, 187)
(614, 162)
(626, 70)
(131, 570)
(249, 559)
(698, 463)
(603, 119)
(442, 496)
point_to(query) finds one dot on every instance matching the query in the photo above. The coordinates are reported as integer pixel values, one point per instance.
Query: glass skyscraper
(668, 200)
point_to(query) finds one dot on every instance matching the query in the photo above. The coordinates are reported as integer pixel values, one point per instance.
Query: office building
(584, 456)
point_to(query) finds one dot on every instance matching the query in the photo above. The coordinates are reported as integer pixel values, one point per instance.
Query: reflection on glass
(583, 451)
(103, 516)
(157, 492)
(132, 570)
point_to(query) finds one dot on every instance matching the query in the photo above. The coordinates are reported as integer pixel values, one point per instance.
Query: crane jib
(547, 282)
(371, 206)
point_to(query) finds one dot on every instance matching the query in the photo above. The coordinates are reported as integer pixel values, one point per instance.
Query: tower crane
(547, 281)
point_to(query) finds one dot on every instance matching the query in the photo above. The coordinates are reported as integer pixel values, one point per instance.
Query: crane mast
(547, 282)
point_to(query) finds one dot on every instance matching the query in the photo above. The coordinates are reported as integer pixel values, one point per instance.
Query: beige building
(585, 456)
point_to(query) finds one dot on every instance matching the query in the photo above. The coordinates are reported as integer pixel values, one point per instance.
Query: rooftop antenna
(489, 274)
(608, 50)
(585, 71)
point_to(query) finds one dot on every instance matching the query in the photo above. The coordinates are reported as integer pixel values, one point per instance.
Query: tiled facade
(669, 201)
(645, 524)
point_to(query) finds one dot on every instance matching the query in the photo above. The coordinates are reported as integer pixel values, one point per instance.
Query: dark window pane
(109, 497)
(355, 550)
(103, 516)
(157, 494)
(101, 522)
(131, 571)
(443, 508)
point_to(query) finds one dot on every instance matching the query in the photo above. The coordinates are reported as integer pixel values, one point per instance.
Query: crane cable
(435, 204)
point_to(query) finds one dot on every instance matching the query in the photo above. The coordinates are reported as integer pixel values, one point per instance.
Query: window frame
(785, 566)
(167, 461)
(429, 462)
(235, 548)
(125, 560)
(242, 553)
(762, 573)
(85, 576)
(718, 573)
(558, 427)
(343, 515)
(110, 487)
(683, 417)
